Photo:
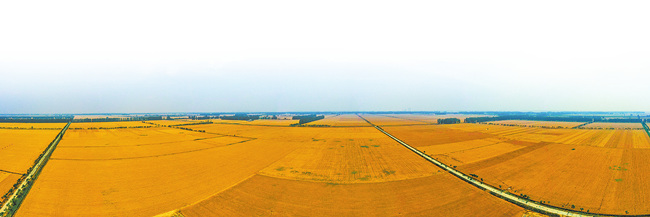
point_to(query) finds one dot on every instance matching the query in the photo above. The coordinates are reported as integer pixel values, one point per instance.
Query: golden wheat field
(423, 118)
(121, 124)
(18, 150)
(143, 172)
(550, 124)
(392, 120)
(173, 122)
(31, 125)
(598, 171)
(266, 167)
(343, 120)
(261, 122)
(437, 195)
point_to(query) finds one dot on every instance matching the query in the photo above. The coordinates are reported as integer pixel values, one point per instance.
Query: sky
(282, 56)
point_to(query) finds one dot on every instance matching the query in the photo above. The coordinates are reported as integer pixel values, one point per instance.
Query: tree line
(449, 121)
(303, 119)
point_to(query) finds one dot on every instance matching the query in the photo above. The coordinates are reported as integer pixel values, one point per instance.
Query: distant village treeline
(637, 119)
(65, 119)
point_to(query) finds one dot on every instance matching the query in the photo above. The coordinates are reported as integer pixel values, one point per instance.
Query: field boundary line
(203, 131)
(7, 171)
(153, 156)
(11, 206)
(24, 128)
(144, 144)
(179, 210)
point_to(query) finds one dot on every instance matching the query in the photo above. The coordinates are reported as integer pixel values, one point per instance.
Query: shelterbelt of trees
(449, 121)
(303, 119)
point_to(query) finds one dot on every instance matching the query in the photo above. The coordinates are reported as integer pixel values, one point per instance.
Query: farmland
(172, 122)
(585, 170)
(55, 126)
(122, 124)
(341, 166)
(18, 151)
(392, 120)
(344, 120)
(142, 171)
(262, 122)
(601, 125)
(549, 124)
(433, 195)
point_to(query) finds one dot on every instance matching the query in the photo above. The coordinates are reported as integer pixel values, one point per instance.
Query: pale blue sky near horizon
(247, 56)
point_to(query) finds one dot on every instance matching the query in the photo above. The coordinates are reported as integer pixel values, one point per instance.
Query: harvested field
(87, 125)
(439, 195)
(549, 124)
(342, 121)
(602, 125)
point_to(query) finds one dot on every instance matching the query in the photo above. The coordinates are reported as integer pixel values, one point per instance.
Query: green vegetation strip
(17, 194)
(581, 125)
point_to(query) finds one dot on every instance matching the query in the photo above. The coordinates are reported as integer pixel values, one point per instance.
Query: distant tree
(449, 121)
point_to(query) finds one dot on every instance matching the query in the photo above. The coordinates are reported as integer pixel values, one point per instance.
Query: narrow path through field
(13, 202)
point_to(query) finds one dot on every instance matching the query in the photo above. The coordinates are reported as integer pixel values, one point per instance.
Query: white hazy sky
(194, 56)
